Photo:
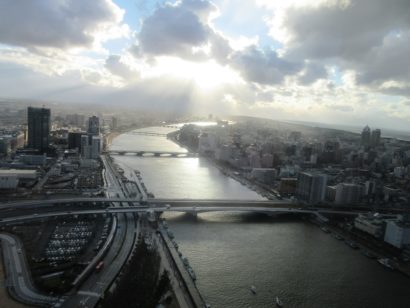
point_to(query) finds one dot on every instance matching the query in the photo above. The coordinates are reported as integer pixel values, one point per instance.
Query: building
(348, 193)
(94, 125)
(371, 224)
(33, 160)
(5, 147)
(11, 178)
(267, 160)
(375, 139)
(38, 128)
(287, 186)
(311, 187)
(264, 175)
(366, 136)
(223, 153)
(397, 234)
(74, 140)
(90, 146)
(114, 123)
(207, 144)
(331, 193)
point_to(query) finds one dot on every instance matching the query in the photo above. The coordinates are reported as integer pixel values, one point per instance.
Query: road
(18, 274)
(111, 197)
(97, 284)
(20, 216)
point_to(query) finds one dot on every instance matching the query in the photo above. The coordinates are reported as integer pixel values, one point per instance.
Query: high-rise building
(38, 128)
(397, 234)
(375, 140)
(74, 140)
(90, 146)
(114, 123)
(366, 135)
(311, 187)
(348, 193)
(94, 125)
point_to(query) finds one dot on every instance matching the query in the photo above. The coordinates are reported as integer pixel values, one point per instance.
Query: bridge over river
(20, 216)
(148, 153)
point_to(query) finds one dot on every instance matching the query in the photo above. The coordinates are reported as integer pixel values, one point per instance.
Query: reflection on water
(281, 256)
(193, 178)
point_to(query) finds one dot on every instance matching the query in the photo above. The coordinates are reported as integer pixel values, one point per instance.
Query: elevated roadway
(18, 278)
(148, 153)
(22, 216)
(110, 199)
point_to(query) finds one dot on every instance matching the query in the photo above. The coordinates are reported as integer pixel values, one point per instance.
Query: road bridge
(152, 201)
(59, 212)
(146, 134)
(148, 153)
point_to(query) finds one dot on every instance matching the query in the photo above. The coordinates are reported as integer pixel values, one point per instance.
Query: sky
(330, 61)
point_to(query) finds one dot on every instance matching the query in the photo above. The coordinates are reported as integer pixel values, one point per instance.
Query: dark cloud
(263, 66)
(176, 29)
(117, 67)
(370, 37)
(388, 62)
(345, 31)
(54, 23)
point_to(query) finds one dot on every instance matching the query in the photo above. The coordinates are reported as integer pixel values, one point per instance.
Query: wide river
(282, 257)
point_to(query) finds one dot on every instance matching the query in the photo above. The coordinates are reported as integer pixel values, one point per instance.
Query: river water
(283, 257)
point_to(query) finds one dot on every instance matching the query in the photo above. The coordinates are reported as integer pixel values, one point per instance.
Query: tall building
(366, 136)
(38, 128)
(114, 123)
(348, 193)
(311, 187)
(375, 140)
(90, 146)
(74, 140)
(94, 125)
(397, 234)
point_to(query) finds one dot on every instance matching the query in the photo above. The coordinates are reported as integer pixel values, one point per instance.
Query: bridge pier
(193, 214)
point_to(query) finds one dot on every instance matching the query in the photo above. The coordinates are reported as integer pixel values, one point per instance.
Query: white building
(397, 234)
(370, 224)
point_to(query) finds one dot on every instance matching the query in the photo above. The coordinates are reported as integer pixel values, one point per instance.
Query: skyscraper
(375, 140)
(94, 125)
(38, 128)
(311, 187)
(366, 136)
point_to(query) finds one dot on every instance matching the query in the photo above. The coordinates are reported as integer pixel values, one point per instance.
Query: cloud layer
(318, 59)
(57, 23)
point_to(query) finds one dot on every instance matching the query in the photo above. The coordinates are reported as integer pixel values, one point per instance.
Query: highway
(111, 197)
(97, 284)
(18, 275)
(23, 216)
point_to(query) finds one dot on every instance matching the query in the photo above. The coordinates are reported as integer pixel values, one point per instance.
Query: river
(283, 257)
